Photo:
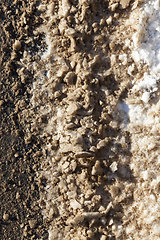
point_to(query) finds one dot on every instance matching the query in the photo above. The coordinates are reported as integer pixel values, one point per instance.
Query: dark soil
(18, 190)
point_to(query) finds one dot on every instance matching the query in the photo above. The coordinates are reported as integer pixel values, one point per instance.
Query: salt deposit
(145, 50)
(147, 46)
(140, 116)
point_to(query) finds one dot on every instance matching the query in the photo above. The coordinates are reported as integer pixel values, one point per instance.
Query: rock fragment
(5, 216)
(102, 143)
(17, 45)
(125, 3)
(103, 237)
(75, 204)
(84, 154)
(109, 20)
(113, 6)
(97, 169)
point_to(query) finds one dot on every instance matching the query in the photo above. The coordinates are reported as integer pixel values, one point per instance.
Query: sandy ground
(79, 139)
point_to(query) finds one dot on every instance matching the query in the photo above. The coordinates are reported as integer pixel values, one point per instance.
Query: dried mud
(75, 163)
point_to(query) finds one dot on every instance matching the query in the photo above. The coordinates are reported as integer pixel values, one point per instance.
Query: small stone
(1, 102)
(101, 209)
(113, 59)
(25, 232)
(97, 169)
(72, 45)
(93, 149)
(123, 58)
(100, 129)
(84, 154)
(22, 225)
(17, 45)
(102, 143)
(102, 22)
(51, 213)
(33, 237)
(109, 20)
(95, 25)
(74, 204)
(131, 69)
(111, 222)
(116, 15)
(124, 3)
(90, 233)
(65, 165)
(112, 45)
(108, 72)
(114, 167)
(5, 217)
(18, 196)
(113, 7)
(103, 237)
(16, 155)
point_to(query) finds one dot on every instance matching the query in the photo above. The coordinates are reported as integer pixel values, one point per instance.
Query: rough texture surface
(19, 192)
(79, 137)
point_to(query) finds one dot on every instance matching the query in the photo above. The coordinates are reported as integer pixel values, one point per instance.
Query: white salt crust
(141, 118)
(147, 47)
(145, 50)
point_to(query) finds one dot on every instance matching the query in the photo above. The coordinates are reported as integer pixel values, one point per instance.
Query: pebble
(102, 143)
(97, 169)
(74, 204)
(103, 237)
(5, 216)
(25, 232)
(1, 102)
(16, 155)
(17, 45)
(113, 7)
(18, 196)
(124, 3)
(114, 167)
(109, 20)
(111, 45)
(84, 154)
